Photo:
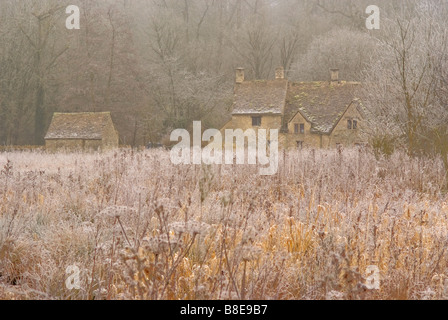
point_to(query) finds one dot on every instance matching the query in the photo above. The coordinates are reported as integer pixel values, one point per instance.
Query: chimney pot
(280, 73)
(239, 75)
(334, 75)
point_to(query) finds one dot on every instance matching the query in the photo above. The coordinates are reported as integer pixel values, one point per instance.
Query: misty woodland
(92, 206)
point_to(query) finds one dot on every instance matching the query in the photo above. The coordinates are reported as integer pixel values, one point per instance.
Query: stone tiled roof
(321, 103)
(87, 126)
(260, 97)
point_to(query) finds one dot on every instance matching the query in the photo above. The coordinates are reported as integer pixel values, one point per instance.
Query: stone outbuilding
(82, 131)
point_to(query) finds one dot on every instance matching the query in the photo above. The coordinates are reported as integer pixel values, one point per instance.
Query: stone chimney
(239, 75)
(334, 75)
(279, 73)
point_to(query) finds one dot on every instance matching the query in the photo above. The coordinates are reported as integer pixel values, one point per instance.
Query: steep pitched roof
(87, 126)
(260, 97)
(321, 103)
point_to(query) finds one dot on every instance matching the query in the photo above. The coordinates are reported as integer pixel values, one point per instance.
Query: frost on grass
(141, 228)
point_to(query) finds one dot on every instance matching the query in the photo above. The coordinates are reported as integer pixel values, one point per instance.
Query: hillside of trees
(160, 64)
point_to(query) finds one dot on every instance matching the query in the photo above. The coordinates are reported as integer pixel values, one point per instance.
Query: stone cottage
(82, 131)
(307, 114)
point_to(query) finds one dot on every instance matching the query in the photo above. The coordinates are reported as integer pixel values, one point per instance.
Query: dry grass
(141, 228)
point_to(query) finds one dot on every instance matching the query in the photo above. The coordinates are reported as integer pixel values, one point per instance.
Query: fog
(159, 65)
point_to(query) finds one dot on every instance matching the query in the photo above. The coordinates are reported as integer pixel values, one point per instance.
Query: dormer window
(352, 124)
(256, 121)
(299, 128)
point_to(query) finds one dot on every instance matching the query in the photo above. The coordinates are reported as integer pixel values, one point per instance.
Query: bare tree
(403, 83)
(41, 48)
(348, 50)
(257, 49)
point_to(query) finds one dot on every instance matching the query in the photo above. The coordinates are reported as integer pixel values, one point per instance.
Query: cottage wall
(94, 145)
(344, 136)
(244, 122)
(110, 136)
(54, 145)
(340, 135)
(73, 145)
(308, 139)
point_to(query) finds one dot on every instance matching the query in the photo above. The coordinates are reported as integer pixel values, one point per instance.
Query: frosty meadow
(131, 225)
